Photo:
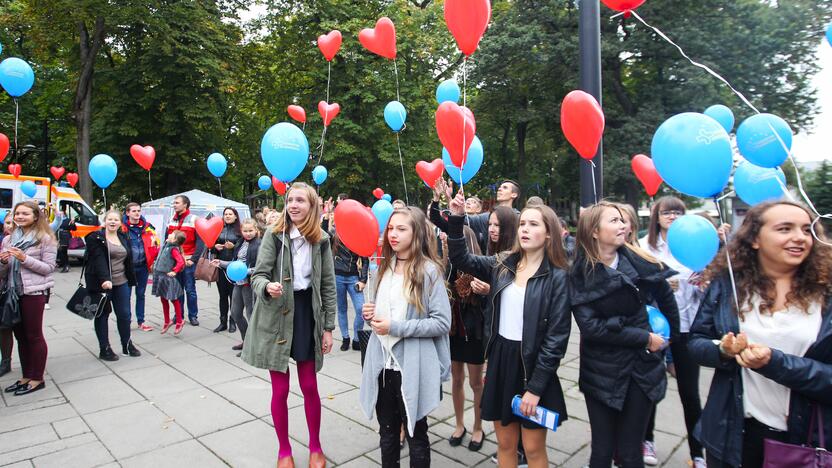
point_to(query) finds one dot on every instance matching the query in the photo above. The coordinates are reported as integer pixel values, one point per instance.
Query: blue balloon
(447, 90)
(284, 151)
(755, 184)
(387, 197)
(217, 164)
(760, 145)
(264, 182)
(16, 76)
(395, 115)
(693, 241)
(1, 48)
(103, 170)
(29, 188)
(829, 33)
(237, 271)
(472, 163)
(723, 115)
(382, 210)
(658, 322)
(692, 153)
(319, 174)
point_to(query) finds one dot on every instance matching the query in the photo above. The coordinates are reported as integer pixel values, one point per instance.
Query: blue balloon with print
(237, 271)
(284, 151)
(658, 322)
(16, 76)
(103, 170)
(395, 115)
(264, 182)
(755, 184)
(692, 153)
(447, 90)
(765, 140)
(29, 188)
(693, 241)
(217, 164)
(319, 174)
(382, 210)
(723, 115)
(472, 164)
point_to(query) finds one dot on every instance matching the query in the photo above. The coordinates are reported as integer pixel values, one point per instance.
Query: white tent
(159, 212)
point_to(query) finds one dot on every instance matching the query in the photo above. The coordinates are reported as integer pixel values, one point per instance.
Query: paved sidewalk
(189, 401)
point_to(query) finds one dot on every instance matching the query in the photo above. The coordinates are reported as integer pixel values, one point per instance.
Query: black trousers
(225, 288)
(687, 380)
(63, 256)
(752, 445)
(391, 415)
(618, 432)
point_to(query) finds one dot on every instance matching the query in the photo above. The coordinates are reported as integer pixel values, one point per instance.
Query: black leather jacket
(346, 263)
(97, 266)
(546, 319)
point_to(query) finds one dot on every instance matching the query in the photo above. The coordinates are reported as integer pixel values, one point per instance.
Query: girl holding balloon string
(294, 313)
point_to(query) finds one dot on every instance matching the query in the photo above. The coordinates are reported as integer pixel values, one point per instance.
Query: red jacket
(149, 238)
(186, 222)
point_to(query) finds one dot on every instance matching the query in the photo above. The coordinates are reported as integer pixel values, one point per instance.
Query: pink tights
(311, 405)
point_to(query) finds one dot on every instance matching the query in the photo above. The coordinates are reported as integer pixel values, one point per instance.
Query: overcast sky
(816, 144)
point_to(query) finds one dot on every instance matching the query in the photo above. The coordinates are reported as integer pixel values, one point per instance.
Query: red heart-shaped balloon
(582, 122)
(330, 44)
(623, 5)
(467, 21)
(357, 228)
(378, 193)
(646, 173)
(430, 172)
(209, 229)
(144, 155)
(279, 186)
(297, 112)
(456, 128)
(14, 169)
(4, 146)
(57, 172)
(72, 178)
(328, 111)
(380, 40)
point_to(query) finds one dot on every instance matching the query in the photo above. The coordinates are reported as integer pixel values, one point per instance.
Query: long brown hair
(632, 216)
(553, 249)
(811, 282)
(654, 229)
(588, 224)
(508, 230)
(422, 252)
(310, 228)
(43, 233)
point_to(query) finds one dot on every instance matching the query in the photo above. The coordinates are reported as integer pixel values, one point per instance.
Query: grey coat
(423, 354)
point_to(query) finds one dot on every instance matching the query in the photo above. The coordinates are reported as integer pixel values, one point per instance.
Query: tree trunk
(522, 128)
(82, 105)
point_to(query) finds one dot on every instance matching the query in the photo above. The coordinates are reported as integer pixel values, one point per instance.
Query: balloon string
(303, 128)
(16, 114)
(149, 185)
(323, 136)
(328, 77)
(465, 81)
(283, 240)
(401, 163)
(594, 188)
(220, 184)
(728, 255)
(396, 72)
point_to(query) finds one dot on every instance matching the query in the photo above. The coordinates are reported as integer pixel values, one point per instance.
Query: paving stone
(204, 413)
(157, 381)
(336, 430)
(34, 451)
(326, 385)
(183, 454)
(21, 464)
(64, 346)
(172, 350)
(13, 419)
(16, 440)
(99, 393)
(92, 454)
(134, 429)
(253, 395)
(50, 392)
(209, 370)
(347, 405)
(71, 368)
(70, 427)
(236, 445)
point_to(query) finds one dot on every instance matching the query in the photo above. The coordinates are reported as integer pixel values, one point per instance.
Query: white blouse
(792, 331)
(301, 260)
(512, 300)
(391, 303)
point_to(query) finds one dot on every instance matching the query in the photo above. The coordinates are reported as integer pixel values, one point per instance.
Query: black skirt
(303, 327)
(504, 379)
(469, 351)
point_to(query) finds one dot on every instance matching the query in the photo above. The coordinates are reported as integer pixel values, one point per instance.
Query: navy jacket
(810, 378)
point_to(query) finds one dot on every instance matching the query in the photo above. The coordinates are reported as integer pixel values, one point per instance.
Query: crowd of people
(456, 290)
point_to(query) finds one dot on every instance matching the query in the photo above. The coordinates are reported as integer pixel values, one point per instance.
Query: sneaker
(107, 355)
(356, 345)
(648, 450)
(345, 344)
(699, 462)
(145, 327)
(130, 350)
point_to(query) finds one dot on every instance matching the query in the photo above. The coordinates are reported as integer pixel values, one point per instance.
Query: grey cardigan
(423, 354)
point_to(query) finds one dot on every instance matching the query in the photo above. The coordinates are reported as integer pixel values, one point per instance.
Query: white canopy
(159, 212)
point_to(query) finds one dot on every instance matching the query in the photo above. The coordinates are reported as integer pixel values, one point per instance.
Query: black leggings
(687, 380)
(225, 288)
(391, 415)
(618, 432)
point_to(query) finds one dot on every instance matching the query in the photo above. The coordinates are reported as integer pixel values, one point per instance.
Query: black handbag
(84, 303)
(9, 308)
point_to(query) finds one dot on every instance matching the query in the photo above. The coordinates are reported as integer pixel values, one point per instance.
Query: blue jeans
(188, 282)
(346, 285)
(120, 304)
(141, 286)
